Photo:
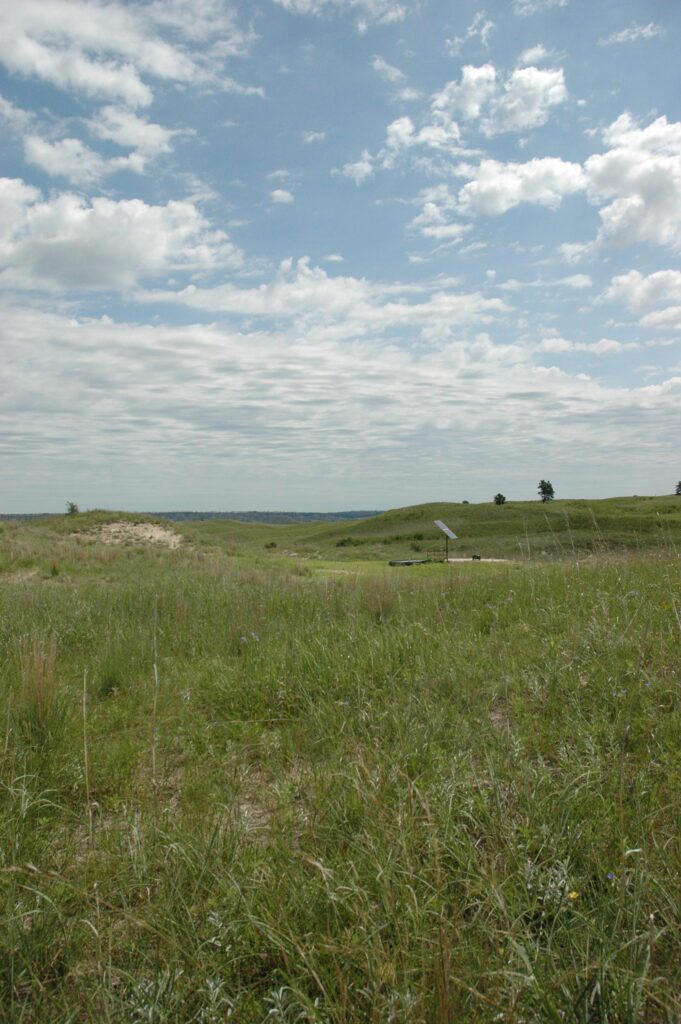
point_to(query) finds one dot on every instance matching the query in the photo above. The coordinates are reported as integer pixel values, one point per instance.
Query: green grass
(239, 785)
(513, 530)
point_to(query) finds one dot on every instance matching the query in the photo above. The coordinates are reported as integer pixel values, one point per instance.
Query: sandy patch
(18, 577)
(138, 533)
(469, 560)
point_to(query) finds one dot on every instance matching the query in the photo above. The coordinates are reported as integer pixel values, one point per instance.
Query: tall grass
(429, 796)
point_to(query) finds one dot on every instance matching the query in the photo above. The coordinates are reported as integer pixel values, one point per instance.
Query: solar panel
(445, 529)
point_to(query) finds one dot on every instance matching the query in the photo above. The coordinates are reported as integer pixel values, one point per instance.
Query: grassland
(291, 784)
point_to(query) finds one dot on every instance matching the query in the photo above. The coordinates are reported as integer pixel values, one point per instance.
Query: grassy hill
(514, 530)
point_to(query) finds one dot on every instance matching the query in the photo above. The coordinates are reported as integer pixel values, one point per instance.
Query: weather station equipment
(433, 556)
(449, 535)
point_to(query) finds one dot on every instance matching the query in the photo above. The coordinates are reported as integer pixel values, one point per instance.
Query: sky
(336, 254)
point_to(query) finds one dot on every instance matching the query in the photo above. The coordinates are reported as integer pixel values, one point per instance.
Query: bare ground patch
(18, 577)
(138, 533)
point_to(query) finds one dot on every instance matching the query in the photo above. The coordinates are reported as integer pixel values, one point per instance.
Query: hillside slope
(516, 529)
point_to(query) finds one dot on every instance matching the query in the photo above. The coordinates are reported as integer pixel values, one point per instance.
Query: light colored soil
(19, 577)
(139, 533)
(469, 560)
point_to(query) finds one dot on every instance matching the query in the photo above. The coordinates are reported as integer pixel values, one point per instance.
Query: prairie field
(259, 775)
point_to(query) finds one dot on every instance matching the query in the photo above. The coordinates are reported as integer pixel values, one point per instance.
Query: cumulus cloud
(438, 206)
(467, 97)
(281, 195)
(638, 291)
(126, 129)
(68, 242)
(358, 170)
(69, 158)
(632, 34)
(669, 319)
(526, 100)
(106, 51)
(522, 100)
(641, 174)
(497, 187)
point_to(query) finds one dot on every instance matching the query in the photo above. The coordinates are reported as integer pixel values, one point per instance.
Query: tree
(546, 491)
(499, 499)
(71, 508)
(678, 487)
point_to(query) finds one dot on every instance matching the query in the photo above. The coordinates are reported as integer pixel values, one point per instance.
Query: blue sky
(322, 254)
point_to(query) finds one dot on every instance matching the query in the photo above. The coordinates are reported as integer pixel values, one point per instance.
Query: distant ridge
(241, 517)
(270, 517)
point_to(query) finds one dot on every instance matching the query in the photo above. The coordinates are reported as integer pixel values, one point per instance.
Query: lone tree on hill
(546, 491)
(71, 508)
(678, 487)
(499, 499)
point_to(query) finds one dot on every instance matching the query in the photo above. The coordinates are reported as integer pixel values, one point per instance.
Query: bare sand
(139, 533)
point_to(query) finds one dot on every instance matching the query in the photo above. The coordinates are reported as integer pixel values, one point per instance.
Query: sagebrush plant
(249, 789)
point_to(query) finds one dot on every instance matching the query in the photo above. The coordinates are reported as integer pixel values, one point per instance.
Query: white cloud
(669, 319)
(633, 33)
(312, 136)
(520, 101)
(604, 347)
(639, 291)
(388, 72)
(496, 187)
(574, 252)
(360, 170)
(535, 55)
(67, 242)
(368, 12)
(73, 159)
(14, 117)
(576, 281)
(526, 100)
(525, 7)
(68, 158)
(480, 28)
(202, 401)
(435, 221)
(105, 51)
(468, 96)
(126, 129)
(281, 195)
(408, 94)
(342, 306)
(641, 174)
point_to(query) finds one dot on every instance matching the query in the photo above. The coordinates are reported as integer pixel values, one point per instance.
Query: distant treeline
(242, 517)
